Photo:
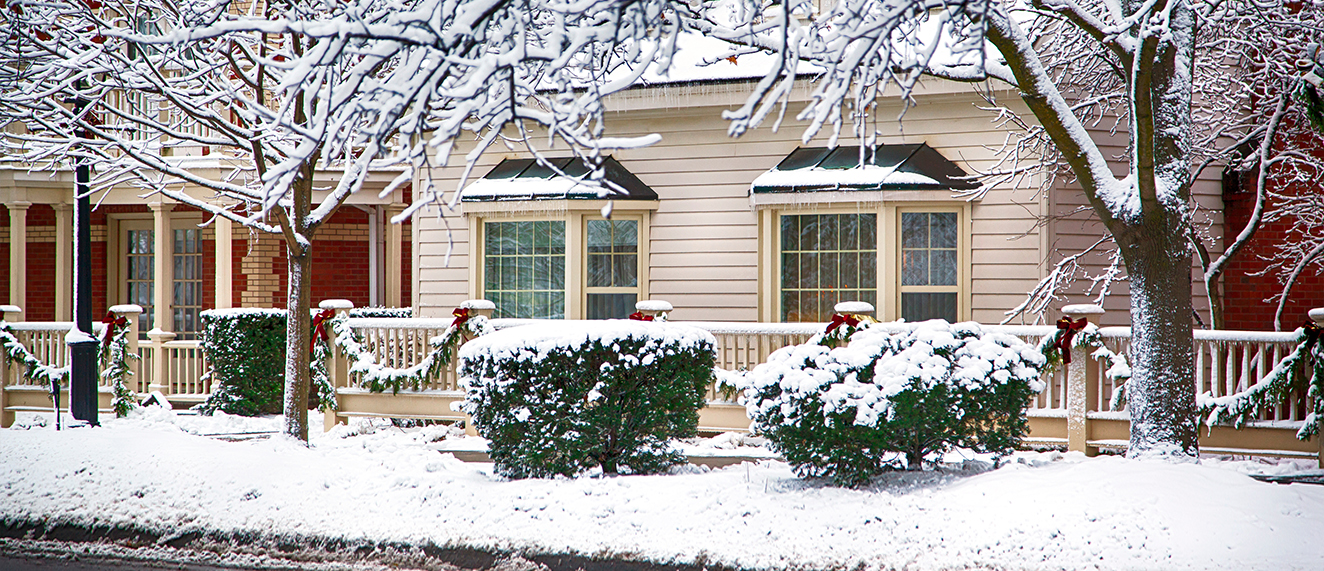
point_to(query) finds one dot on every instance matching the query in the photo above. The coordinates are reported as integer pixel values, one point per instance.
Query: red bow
(111, 323)
(461, 316)
(1069, 329)
(840, 318)
(639, 316)
(319, 328)
(1312, 331)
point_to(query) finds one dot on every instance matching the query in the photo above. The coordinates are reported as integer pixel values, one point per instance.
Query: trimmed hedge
(377, 311)
(246, 350)
(562, 398)
(891, 399)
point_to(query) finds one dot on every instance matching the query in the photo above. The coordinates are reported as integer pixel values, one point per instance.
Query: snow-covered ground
(161, 472)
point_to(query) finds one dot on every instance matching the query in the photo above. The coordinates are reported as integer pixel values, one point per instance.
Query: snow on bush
(851, 412)
(561, 398)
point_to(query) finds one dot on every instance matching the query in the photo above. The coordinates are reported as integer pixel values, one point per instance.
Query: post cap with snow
(853, 307)
(1316, 315)
(336, 304)
(477, 304)
(126, 308)
(652, 305)
(1083, 309)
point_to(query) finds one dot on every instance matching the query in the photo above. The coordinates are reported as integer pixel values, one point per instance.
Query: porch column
(18, 254)
(163, 260)
(64, 261)
(394, 235)
(224, 262)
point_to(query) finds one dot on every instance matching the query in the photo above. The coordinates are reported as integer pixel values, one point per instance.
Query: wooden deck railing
(1073, 409)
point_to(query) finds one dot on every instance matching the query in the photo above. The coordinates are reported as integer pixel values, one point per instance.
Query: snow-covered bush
(563, 397)
(893, 394)
(377, 311)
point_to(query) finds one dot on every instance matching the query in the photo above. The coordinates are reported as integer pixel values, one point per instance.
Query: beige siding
(704, 234)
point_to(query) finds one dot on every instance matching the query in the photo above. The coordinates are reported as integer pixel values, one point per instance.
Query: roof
(526, 179)
(885, 167)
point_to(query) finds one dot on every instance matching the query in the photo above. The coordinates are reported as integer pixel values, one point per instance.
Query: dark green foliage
(808, 398)
(611, 403)
(246, 350)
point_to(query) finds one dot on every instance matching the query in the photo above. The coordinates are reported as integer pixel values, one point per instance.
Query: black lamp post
(83, 349)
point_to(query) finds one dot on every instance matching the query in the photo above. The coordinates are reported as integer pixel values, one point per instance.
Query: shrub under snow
(560, 398)
(852, 412)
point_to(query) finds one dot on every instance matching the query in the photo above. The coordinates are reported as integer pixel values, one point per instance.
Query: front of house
(763, 227)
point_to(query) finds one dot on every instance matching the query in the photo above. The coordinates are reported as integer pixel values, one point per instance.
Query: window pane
(599, 271)
(914, 230)
(610, 305)
(915, 267)
(626, 235)
(943, 232)
(925, 306)
(599, 236)
(790, 233)
(626, 268)
(943, 267)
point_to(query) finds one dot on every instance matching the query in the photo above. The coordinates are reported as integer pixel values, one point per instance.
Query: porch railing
(1073, 409)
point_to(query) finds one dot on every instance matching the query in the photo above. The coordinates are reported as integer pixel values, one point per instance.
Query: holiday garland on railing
(115, 356)
(1286, 377)
(1081, 333)
(842, 326)
(33, 369)
(377, 377)
(113, 359)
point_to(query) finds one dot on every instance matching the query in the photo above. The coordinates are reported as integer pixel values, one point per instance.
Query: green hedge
(562, 398)
(246, 351)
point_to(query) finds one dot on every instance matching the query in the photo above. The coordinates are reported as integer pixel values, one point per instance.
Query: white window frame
(771, 207)
(118, 226)
(575, 214)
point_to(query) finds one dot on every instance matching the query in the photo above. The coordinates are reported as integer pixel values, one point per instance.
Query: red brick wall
(4, 267)
(1245, 305)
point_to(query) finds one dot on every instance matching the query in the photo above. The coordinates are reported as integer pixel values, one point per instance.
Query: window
(188, 283)
(524, 268)
(929, 266)
(139, 248)
(827, 259)
(613, 268)
(577, 267)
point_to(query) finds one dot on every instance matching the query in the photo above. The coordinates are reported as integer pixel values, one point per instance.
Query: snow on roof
(884, 167)
(527, 179)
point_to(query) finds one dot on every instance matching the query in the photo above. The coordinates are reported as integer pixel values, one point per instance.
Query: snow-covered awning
(884, 167)
(525, 179)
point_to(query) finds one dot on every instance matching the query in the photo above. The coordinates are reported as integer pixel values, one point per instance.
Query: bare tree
(280, 91)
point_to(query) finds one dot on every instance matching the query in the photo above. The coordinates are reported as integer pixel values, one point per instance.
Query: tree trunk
(297, 372)
(1161, 392)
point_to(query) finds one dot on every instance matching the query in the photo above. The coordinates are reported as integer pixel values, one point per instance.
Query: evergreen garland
(1118, 371)
(115, 357)
(1312, 103)
(1285, 377)
(377, 377)
(34, 370)
(326, 394)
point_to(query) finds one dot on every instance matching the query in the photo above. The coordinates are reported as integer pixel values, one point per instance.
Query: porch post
(6, 417)
(1082, 385)
(1317, 315)
(337, 371)
(18, 253)
(224, 262)
(394, 234)
(163, 261)
(64, 261)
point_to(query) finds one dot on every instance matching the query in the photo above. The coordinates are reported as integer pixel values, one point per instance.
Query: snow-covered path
(1043, 511)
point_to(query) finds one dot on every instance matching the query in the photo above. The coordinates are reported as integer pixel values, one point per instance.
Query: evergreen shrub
(246, 350)
(892, 397)
(562, 398)
(377, 311)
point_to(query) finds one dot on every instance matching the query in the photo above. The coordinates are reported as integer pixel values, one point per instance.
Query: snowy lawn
(156, 472)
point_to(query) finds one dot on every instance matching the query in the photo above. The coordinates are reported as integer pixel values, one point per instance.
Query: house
(175, 261)
(765, 227)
